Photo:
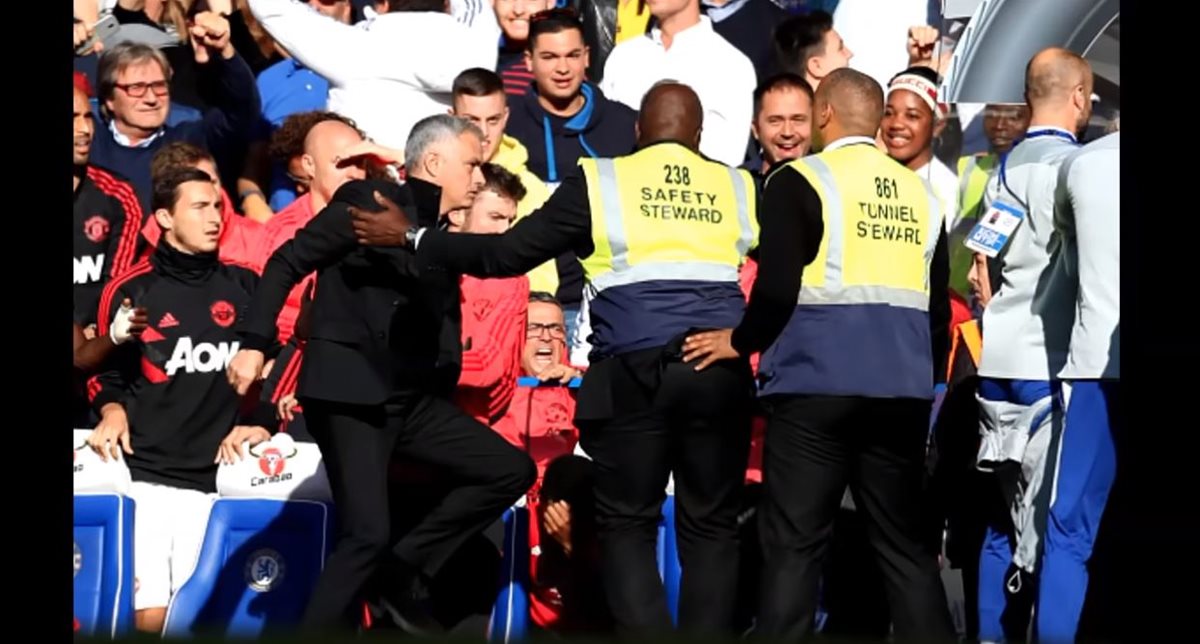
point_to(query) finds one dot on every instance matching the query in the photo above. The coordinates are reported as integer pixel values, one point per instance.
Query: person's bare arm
(253, 181)
(922, 43)
(91, 354)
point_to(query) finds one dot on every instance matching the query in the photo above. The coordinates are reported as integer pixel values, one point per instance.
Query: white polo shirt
(699, 57)
(387, 72)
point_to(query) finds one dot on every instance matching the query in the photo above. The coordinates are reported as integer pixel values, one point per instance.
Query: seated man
(239, 236)
(493, 309)
(538, 420)
(164, 402)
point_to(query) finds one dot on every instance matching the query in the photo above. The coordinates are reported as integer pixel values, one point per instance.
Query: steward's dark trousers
(669, 418)
(816, 446)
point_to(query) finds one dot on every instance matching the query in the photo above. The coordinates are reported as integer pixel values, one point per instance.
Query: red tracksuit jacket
(493, 332)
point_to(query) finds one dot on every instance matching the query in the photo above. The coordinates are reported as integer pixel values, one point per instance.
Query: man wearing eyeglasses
(135, 100)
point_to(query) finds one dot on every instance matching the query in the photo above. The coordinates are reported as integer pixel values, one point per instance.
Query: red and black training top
(172, 382)
(107, 220)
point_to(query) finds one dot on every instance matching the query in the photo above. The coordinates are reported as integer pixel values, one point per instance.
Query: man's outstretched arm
(562, 224)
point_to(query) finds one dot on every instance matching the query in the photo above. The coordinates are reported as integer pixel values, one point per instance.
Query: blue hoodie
(603, 128)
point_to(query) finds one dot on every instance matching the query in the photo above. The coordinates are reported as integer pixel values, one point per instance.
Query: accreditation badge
(993, 230)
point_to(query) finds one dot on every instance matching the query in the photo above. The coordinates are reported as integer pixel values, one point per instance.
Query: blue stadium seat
(510, 614)
(258, 565)
(104, 564)
(668, 557)
(103, 542)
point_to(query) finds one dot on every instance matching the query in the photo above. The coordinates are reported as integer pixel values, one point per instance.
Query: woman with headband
(912, 116)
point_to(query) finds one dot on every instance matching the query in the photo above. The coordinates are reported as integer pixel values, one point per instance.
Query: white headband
(922, 87)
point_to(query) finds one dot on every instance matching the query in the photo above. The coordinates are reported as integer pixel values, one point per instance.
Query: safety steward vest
(974, 172)
(861, 324)
(670, 230)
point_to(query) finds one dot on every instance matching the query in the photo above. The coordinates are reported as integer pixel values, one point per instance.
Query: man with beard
(107, 218)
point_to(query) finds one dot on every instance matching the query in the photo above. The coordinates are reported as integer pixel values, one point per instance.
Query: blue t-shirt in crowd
(287, 87)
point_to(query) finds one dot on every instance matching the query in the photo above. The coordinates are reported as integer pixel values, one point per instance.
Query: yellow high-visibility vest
(861, 324)
(667, 213)
(670, 230)
(882, 222)
(974, 172)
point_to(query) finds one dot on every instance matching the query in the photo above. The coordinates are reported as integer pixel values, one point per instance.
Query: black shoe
(404, 602)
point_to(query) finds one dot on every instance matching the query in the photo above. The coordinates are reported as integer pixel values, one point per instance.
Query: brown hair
(176, 155)
(477, 81)
(166, 187)
(502, 182)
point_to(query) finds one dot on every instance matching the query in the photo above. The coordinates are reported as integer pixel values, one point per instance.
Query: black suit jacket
(379, 326)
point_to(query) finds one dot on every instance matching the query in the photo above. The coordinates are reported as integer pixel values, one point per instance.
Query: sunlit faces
(322, 161)
(489, 114)
(835, 56)
(1004, 124)
(907, 126)
(783, 125)
(193, 224)
(84, 127)
(454, 165)
(545, 338)
(513, 16)
(559, 63)
(141, 97)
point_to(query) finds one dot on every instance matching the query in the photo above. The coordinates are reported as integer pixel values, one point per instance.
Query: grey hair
(431, 130)
(117, 59)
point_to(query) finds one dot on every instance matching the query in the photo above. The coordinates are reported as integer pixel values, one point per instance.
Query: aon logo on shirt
(204, 357)
(87, 269)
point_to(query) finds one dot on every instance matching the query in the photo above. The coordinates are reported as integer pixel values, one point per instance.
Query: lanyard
(1030, 135)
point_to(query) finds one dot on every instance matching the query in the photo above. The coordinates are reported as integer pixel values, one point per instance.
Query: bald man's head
(847, 103)
(322, 160)
(670, 111)
(1058, 82)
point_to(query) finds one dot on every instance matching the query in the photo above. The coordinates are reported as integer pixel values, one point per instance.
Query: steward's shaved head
(670, 111)
(1053, 74)
(855, 99)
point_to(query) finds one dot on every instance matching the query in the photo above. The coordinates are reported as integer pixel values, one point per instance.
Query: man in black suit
(650, 404)
(382, 358)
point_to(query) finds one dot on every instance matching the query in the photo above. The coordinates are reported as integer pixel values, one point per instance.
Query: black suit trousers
(357, 443)
(816, 446)
(670, 418)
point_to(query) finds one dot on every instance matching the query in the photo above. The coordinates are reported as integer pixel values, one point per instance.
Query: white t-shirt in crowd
(387, 72)
(699, 57)
(945, 186)
(876, 31)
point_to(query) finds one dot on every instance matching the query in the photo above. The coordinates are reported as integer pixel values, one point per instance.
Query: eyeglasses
(138, 90)
(534, 330)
